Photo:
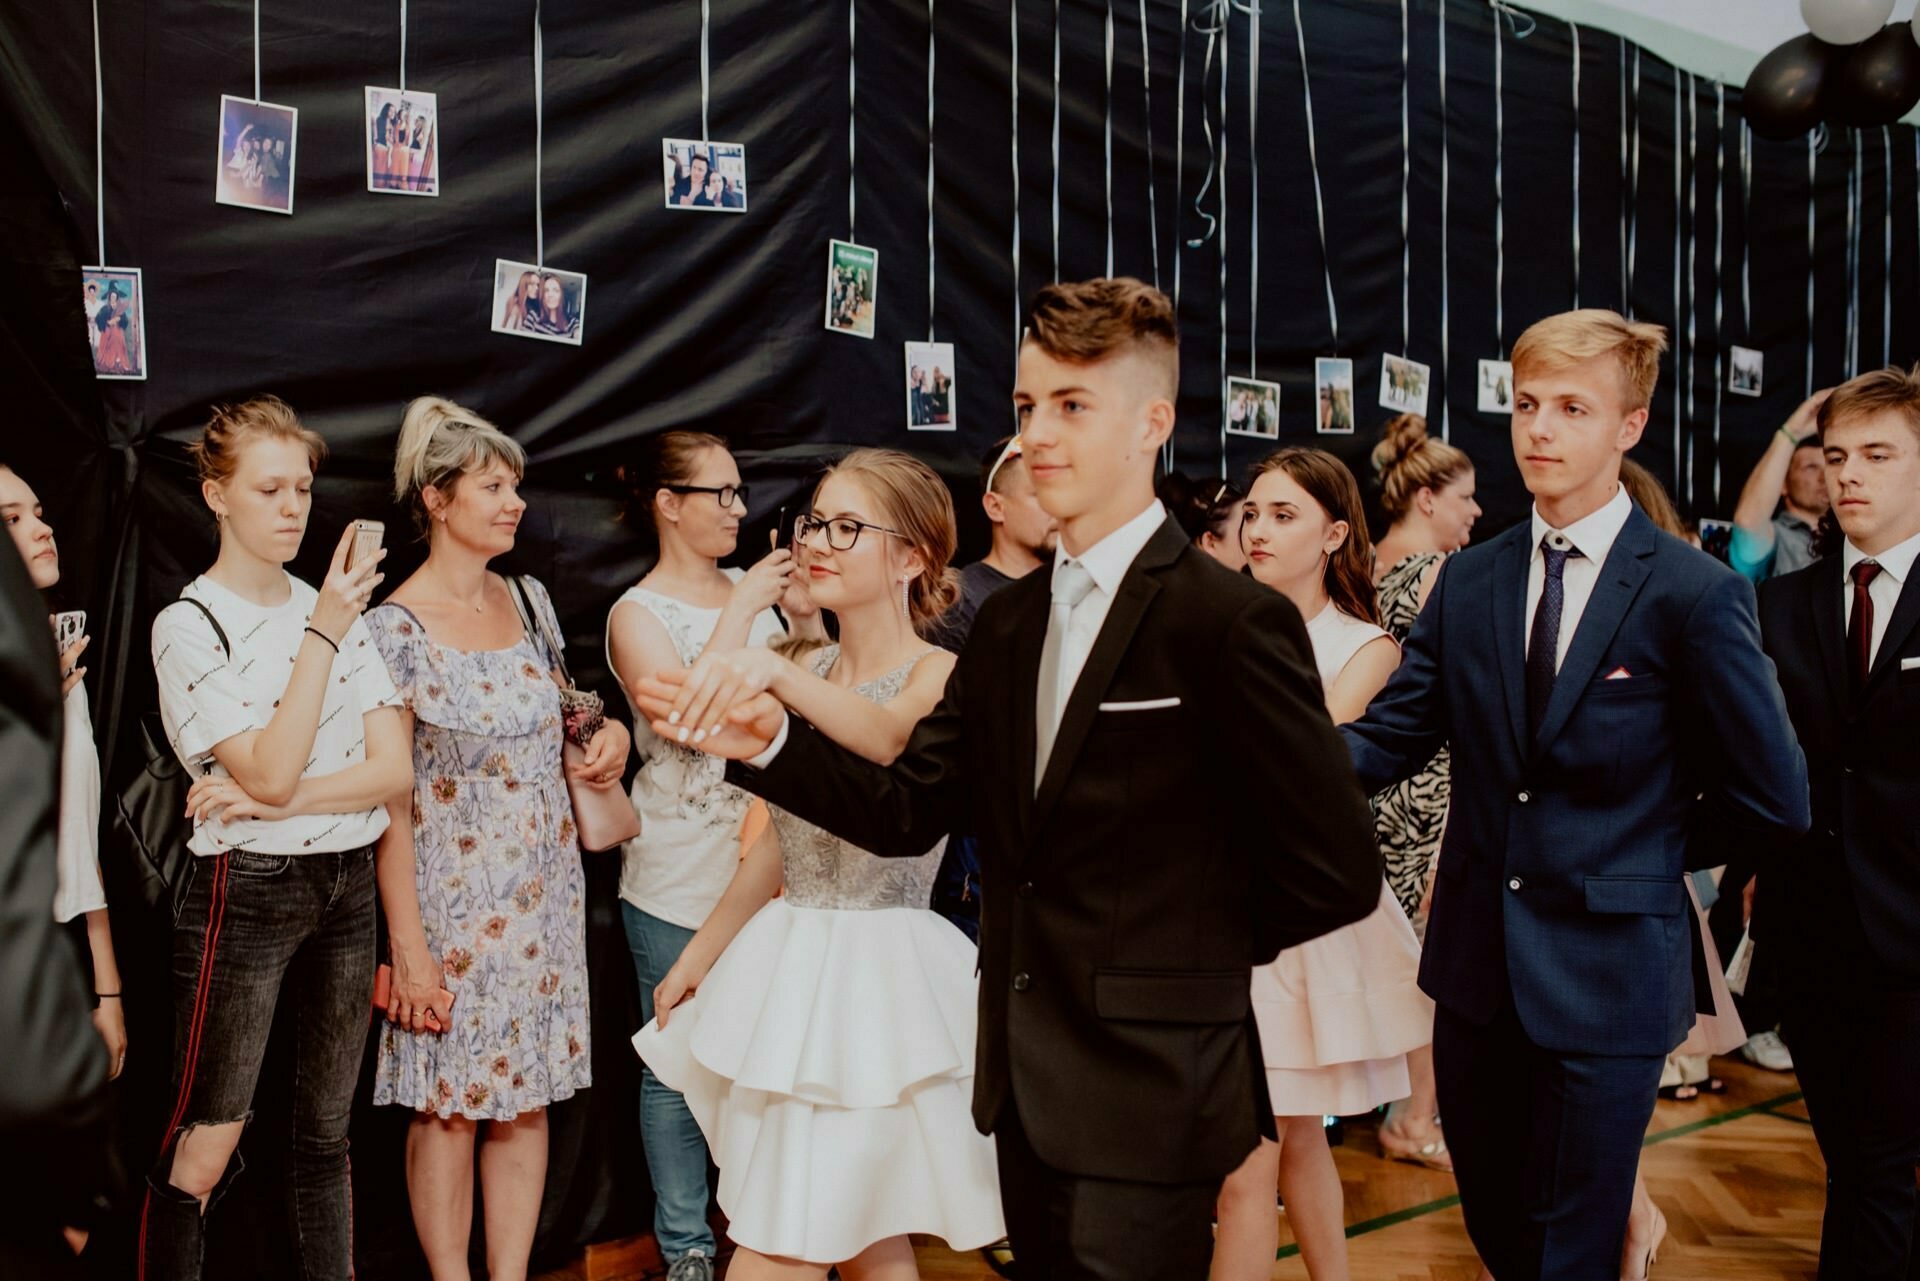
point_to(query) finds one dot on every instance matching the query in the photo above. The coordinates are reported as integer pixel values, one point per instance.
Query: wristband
(1791, 438)
(106, 996)
(328, 639)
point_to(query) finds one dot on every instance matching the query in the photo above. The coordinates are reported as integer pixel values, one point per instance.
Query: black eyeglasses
(842, 531)
(725, 493)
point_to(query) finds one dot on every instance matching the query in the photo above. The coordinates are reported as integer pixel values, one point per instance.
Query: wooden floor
(1737, 1175)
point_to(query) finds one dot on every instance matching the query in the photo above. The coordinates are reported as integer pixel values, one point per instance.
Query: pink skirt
(1720, 1032)
(1338, 1014)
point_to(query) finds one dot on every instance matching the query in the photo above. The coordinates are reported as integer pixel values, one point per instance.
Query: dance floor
(1737, 1175)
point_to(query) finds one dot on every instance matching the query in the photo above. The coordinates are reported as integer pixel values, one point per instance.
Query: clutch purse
(603, 818)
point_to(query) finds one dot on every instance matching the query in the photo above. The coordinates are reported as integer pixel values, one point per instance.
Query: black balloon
(1783, 97)
(1876, 81)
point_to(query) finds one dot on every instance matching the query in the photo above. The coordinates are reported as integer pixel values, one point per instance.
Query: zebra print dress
(1409, 817)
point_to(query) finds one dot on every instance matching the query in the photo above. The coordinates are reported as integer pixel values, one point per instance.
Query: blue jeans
(676, 1149)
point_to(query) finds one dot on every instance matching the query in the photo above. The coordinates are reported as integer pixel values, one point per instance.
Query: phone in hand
(782, 531)
(68, 626)
(382, 991)
(367, 537)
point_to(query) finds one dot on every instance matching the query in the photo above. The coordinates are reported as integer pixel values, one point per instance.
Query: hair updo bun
(1407, 460)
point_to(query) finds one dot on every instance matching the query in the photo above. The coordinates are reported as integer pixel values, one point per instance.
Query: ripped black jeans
(257, 929)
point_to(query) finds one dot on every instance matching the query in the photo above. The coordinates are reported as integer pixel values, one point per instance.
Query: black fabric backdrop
(360, 301)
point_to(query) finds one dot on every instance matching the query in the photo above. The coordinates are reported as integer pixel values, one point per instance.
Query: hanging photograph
(1743, 375)
(1496, 387)
(538, 302)
(255, 165)
(403, 142)
(1404, 384)
(1333, 396)
(1253, 408)
(116, 321)
(706, 176)
(931, 405)
(853, 271)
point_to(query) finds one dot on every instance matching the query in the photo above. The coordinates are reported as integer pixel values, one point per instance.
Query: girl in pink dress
(1339, 1014)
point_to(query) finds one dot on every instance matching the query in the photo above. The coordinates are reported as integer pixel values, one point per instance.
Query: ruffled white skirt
(828, 1058)
(1338, 1014)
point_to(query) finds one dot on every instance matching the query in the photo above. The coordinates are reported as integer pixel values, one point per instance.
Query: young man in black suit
(1138, 740)
(1840, 908)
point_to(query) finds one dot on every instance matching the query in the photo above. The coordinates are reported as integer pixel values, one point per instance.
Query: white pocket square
(1908, 664)
(1143, 705)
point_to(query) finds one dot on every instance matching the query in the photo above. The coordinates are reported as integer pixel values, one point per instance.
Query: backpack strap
(218, 631)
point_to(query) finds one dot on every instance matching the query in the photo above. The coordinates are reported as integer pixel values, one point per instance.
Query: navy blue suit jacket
(1560, 872)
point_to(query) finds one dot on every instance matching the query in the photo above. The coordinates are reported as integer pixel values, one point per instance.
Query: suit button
(1524, 797)
(1026, 889)
(1022, 981)
(1515, 884)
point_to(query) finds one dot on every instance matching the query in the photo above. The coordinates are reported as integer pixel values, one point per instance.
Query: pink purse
(603, 818)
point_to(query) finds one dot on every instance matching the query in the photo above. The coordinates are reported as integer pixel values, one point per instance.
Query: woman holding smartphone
(273, 694)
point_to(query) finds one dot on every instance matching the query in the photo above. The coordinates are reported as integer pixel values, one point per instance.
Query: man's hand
(748, 728)
(1806, 419)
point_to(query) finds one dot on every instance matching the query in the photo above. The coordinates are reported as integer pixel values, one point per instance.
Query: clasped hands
(725, 704)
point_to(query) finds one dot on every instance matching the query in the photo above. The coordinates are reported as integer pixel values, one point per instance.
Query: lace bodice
(821, 870)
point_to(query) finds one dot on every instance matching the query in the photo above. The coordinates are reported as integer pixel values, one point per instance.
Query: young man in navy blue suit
(1840, 910)
(1607, 700)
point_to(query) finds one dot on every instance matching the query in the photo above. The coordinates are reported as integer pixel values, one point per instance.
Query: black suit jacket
(1843, 902)
(1169, 849)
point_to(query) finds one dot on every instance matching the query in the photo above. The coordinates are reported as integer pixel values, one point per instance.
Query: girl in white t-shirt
(275, 697)
(689, 496)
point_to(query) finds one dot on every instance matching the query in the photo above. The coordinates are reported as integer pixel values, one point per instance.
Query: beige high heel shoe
(1652, 1253)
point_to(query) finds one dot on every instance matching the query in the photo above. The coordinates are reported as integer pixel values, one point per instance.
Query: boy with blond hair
(1621, 710)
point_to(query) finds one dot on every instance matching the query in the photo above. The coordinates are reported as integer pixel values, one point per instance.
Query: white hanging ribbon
(1406, 171)
(1253, 155)
(403, 46)
(706, 28)
(1446, 318)
(851, 115)
(1226, 23)
(99, 148)
(1633, 199)
(1693, 260)
(1813, 159)
(1679, 333)
(1719, 228)
(1886, 259)
(1746, 230)
(1179, 150)
(1153, 203)
(539, 123)
(1013, 78)
(1212, 24)
(1853, 260)
(1626, 273)
(929, 170)
(1056, 139)
(256, 51)
(1313, 162)
(1499, 185)
(1574, 27)
(1108, 144)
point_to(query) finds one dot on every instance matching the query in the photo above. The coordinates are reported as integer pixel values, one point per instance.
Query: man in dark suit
(1605, 694)
(1840, 909)
(1138, 740)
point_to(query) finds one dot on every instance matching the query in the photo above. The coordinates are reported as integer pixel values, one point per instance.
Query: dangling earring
(906, 611)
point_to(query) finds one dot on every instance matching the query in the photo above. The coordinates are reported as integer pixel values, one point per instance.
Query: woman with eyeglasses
(829, 1053)
(686, 497)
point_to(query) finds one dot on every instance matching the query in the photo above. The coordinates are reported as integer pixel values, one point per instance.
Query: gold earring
(906, 611)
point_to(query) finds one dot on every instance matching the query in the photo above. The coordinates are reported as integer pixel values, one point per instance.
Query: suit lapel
(1906, 613)
(1621, 578)
(1830, 625)
(1509, 605)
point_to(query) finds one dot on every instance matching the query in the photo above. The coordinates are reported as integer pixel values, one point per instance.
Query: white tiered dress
(829, 1054)
(1338, 1014)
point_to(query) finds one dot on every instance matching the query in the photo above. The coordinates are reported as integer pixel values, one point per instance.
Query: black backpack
(150, 814)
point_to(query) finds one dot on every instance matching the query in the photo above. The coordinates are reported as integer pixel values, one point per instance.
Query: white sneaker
(1767, 1050)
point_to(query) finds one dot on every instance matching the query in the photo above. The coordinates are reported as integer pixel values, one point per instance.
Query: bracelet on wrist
(106, 996)
(331, 643)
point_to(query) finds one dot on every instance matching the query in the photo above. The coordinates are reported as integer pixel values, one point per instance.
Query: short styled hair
(1575, 336)
(231, 427)
(1890, 390)
(1087, 321)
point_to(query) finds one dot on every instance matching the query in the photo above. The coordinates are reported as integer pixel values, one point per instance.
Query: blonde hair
(439, 443)
(1892, 388)
(1575, 336)
(1407, 460)
(230, 427)
(1651, 497)
(914, 501)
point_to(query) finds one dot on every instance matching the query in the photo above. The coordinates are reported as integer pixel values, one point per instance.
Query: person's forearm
(372, 782)
(753, 885)
(106, 967)
(394, 873)
(1761, 494)
(732, 631)
(855, 723)
(269, 768)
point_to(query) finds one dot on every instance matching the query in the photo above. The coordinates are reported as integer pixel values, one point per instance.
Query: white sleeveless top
(1336, 636)
(690, 816)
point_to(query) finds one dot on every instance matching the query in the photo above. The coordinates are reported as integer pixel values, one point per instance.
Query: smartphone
(68, 626)
(782, 531)
(367, 536)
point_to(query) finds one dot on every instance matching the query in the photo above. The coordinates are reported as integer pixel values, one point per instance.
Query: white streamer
(1886, 259)
(539, 110)
(99, 144)
(1499, 187)
(1693, 263)
(1253, 154)
(1406, 170)
(1574, 27)
(1678, 358)
(1153, 203)
(929, 170)
(1179, 150)
(1226, 24)
(1056, 139)
(1626, 273)
(1633, 207)
(1013, 27)
(706, 27)
(1853, 261)
(403, 45)
(1746, 230)
(851, 83)
(1446, 317)
(1719, 228)
(1109, 135)
(1813, 158)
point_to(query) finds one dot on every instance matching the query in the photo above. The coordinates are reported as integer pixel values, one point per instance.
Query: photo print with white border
(1744, 369)
(116, 322)
(932, 404)
(1496, 387)
(1253, 408)
(403, 142)
(254, 169)
(1404, 385)
(1333, 396)
(706, 177)
(538, 302)
(853, 275)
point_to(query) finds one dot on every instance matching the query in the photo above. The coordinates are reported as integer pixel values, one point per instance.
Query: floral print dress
(502, 893)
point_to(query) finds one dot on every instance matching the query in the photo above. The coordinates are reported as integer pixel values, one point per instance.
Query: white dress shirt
(1896, 564)
(1593, 534)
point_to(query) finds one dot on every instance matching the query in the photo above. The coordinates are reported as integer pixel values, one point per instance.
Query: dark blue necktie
(1543, 644)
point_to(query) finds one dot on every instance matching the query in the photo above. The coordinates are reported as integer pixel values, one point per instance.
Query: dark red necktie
(1860, 626)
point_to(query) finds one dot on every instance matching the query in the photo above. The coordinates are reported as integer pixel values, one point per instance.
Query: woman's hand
(681, 982)
(110, 1021)
(717, 684)
(414, 997)
(344, 592)
(606, 758)
(763, 586)
(215, 797)
(70, 669)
